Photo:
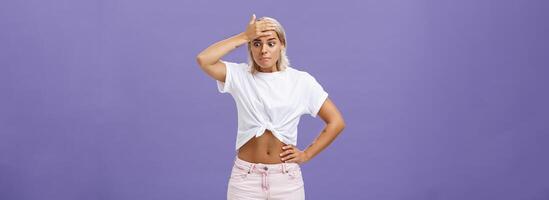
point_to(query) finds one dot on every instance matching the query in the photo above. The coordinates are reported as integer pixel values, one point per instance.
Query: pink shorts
(265, 181)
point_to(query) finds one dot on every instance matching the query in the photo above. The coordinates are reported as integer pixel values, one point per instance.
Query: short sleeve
(316, 96)
(231, 76)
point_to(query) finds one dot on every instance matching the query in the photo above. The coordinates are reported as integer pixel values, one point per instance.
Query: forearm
(325, 138)
(213, 53)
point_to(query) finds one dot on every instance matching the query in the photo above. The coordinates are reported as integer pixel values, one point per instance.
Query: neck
(268, 70)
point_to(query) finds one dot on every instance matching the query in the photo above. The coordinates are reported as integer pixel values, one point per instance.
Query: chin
(263, 66)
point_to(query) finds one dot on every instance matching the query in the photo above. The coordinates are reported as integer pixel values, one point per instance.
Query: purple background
(442, 99)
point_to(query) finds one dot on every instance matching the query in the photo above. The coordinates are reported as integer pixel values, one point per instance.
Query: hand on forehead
(272, 34)
(266, 22)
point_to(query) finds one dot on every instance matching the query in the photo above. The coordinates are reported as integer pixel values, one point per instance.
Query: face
(266, 51)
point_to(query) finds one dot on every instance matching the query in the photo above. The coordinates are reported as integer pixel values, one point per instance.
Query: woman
(270, 97)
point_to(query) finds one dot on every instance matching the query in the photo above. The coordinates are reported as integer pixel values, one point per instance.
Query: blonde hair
(283, 60)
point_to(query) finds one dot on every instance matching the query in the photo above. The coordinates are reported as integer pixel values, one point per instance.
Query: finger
(287, 146)
(270, 24)
(293, 160)
(260, 23)
(285, 153)
(253, 19)
(264, 34)
(266, 23)
(289, 157)
(259, 33)
(271, 27)
(263, 24)
(268, 29)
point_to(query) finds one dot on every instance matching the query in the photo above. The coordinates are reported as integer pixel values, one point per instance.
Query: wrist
(307, 154)
(242, 36)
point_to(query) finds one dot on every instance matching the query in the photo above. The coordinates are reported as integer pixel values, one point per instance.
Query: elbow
(200, 60)
(337, 124)
(341, 123)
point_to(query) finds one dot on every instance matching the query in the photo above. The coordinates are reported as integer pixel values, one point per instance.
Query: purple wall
(442, 99)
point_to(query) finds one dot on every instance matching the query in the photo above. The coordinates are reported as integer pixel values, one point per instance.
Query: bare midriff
(264, 149)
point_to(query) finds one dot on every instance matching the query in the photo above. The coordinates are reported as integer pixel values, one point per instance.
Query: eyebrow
(267, 40)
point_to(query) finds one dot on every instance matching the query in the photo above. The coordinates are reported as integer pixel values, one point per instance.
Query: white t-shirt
(273, 101)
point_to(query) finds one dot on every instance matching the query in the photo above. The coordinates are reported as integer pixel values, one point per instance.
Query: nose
(264, 49)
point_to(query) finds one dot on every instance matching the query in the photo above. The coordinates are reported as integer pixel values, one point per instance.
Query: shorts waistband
(265, 168)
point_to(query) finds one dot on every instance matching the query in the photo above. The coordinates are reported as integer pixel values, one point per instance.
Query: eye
(256, 44)
(272, 44)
